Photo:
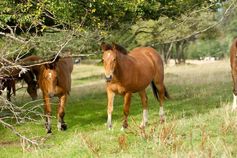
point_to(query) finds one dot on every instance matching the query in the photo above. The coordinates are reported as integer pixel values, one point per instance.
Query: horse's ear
(105, 46)
(119, 48)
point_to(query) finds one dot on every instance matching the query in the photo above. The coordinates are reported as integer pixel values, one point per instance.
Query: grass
(199, 122)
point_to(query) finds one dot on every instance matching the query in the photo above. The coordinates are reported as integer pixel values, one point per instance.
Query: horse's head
(48, 77)
(109, 60)
(32, 90)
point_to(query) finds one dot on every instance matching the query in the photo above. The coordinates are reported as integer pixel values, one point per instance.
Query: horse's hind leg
(234, 77)
(47, 110)
(62, 126)
(161, 92)
(145, 108)
(126, 107)
(9, 88)
(13, 85)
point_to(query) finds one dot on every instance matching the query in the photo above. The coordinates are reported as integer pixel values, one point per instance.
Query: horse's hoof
(162, 119)
(49, 131)
(64, 127)
(142, 126)
(125, 125)
(109, 126)
(233, 108)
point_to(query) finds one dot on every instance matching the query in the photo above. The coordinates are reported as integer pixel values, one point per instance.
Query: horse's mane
(106, 46)
(120, 49)
(114, 46)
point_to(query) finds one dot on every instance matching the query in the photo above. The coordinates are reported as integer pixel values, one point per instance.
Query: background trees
(174, 27)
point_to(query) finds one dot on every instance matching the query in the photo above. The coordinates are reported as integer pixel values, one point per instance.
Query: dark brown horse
(11, 74)
(32, 75)
(233, 63)
(55, 80)
(130, 72)
(9, 83)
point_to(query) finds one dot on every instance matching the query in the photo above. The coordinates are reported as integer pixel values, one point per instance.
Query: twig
(17, 133)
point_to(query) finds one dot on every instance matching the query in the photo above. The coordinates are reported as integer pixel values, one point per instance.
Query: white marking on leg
(161, 111)
(110, 109)
(109, 121)
(162, 114)
(234, 106)
(144, 118)
(59, 125)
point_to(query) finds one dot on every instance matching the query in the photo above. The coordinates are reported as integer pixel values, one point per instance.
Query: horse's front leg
(9, 88)
(61, 124)
(110, 96)
(126, 107)
(47, 111)
(234, 77)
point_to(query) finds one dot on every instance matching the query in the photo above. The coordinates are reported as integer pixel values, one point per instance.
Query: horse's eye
(102, 60)
(114, 59)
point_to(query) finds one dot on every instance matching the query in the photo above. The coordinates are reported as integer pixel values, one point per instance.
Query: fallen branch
(17, 133)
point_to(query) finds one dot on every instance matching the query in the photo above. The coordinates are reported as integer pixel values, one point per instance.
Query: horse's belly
(119, 89)
(138, 88)
(116, 88)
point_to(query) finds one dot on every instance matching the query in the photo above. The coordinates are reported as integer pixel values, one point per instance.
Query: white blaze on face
(50, 75)
(108, 62)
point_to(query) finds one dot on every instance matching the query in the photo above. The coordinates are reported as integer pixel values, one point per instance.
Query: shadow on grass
(88, 111)
(91, 110)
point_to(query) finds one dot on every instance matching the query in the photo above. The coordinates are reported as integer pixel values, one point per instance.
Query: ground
(199, 120)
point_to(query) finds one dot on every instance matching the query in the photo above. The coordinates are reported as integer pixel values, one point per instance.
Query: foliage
(208, 48)
(130, 23)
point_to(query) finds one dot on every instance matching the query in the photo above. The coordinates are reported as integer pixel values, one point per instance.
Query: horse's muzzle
(108, 78)
(51, 95)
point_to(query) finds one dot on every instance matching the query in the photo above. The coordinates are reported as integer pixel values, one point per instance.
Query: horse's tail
(167, 96)
(156, 91)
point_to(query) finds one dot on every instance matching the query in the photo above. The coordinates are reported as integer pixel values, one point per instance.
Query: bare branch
(17, 133)
(13, 37)
(226, 13)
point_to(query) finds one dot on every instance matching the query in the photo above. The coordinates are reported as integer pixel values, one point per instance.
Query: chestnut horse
(233, 63)
(55, 80)
(127, 73)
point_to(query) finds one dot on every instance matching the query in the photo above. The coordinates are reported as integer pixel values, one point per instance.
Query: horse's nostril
(51, 95)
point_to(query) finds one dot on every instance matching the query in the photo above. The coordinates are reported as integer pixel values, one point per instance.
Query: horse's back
(30, 58)
(149, 54)
(145, 51)
(65, 67)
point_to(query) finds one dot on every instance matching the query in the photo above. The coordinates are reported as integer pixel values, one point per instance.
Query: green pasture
(199, 120)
